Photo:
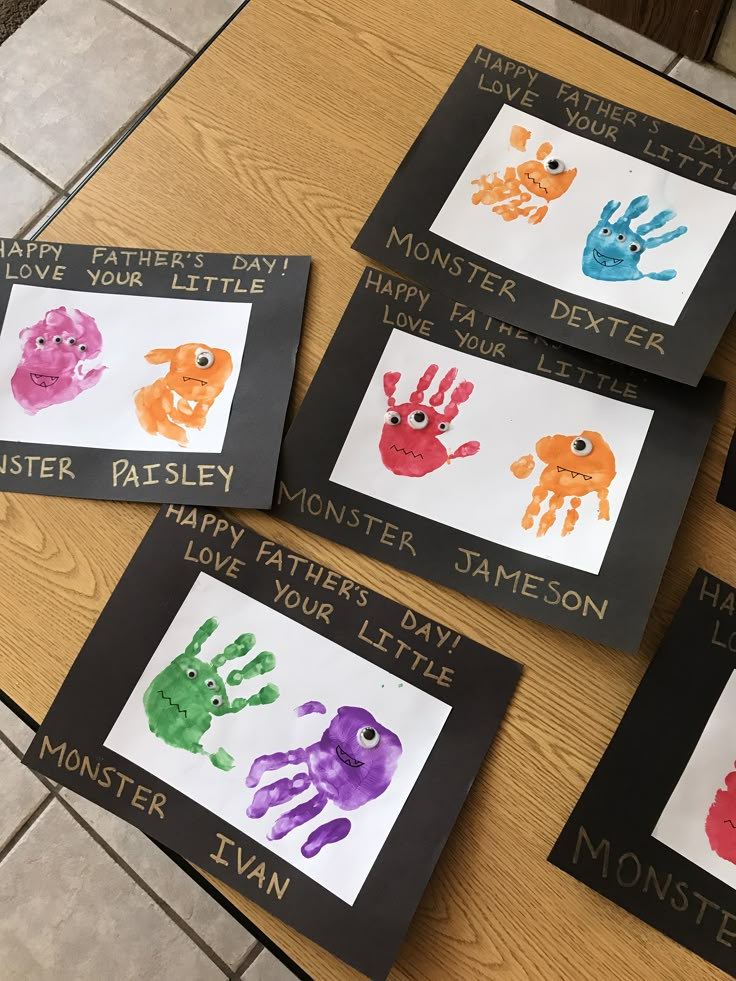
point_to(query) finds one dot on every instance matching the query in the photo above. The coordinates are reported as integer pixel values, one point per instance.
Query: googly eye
(82, 347)
(216, 701)
(211, 683)
(581, 446)
(71, 340)
(392, 418)
(57, 339)
(620, 238)
(368, 737)
(418, 419)
(40, 341)
(553, 165)
(443, 426)
(605, 231)
(204, 358)
(634, 247)
(191, 673)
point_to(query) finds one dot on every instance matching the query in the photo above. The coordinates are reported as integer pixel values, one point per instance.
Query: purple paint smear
(52, 366)
(308, 707)
(352, 764)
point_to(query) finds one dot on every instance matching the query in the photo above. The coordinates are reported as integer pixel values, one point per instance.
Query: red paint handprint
(410, 441)
(720, 825)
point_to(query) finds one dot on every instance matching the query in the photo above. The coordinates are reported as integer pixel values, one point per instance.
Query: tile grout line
(32, 222)
(249, 958)
(29, 167)
(147, 889)
(54, 793)
(151, 27)
(27, 824)
(10, 744)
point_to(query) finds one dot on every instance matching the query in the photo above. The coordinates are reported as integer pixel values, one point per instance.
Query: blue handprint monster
(614, 249)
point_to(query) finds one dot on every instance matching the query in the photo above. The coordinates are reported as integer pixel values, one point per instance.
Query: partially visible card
(655, 829)
(280, 725)
(568, 215)
(135, 374)
(495, 462)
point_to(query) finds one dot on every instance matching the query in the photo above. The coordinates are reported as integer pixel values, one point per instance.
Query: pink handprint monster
(410, 443)
(52, 366)
(720, 825)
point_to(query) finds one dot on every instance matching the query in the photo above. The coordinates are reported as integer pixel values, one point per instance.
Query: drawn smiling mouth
(575, 473)
(605, 260)
(188, 378)
(400, 449)
(534, 181)
(172, 703)
(346, 758)
(43, 381)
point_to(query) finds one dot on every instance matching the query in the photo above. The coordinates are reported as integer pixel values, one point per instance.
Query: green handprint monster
(181, 700)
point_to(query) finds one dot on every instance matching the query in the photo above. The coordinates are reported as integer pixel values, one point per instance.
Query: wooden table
(280, 139)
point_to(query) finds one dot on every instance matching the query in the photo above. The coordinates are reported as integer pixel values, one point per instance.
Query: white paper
(308, 667)
(552, 250)
(681, 825)
(508, 411)
(104, 416)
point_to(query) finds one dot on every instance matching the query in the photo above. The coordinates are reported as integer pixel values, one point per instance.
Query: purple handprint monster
(52, 365)
(352, 764)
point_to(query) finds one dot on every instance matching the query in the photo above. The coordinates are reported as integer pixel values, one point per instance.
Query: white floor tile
(21, 794)
(14, 728)
(219, 930)
(191, 22)
(267, 968)
(24, 195)
(68, 912)
(30, 230)
(707, 79)
(71, 78)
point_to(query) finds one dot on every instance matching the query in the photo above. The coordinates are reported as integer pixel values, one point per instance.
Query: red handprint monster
(720, 825)
(410, 441)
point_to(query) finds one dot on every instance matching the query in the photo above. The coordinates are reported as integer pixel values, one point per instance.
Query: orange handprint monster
(576, 465)
(523, 192)
(185, 394)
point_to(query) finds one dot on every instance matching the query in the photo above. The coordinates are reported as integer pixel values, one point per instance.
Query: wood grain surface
(280, 139)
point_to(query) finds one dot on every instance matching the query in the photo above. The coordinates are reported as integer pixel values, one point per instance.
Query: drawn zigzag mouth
(43, 381)
(729, 821)
(188, 378)
(172, 703)
(605, 260)
(535, 181)
(400, 449)
(346, 758)
(575, 473)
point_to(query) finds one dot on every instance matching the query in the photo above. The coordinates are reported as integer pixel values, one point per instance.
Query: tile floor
(84, 896)
(79, 72)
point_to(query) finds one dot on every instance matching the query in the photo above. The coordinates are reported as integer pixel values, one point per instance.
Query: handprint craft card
(280, 725)
(569, 215)
(135, 374)
(501, 464)
(655, 828)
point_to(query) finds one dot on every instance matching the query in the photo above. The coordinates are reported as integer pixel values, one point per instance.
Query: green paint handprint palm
(181, 699)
